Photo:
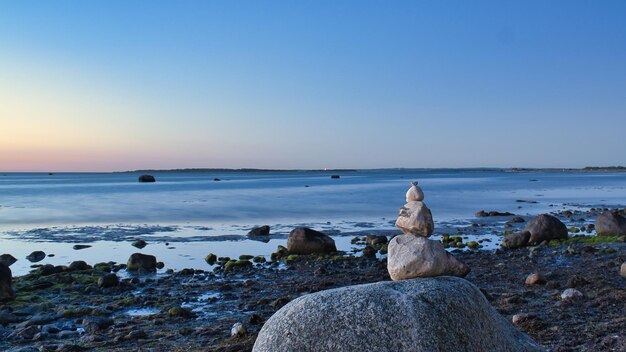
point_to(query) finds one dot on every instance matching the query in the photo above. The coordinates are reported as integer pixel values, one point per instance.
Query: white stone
(622, 270)
(412, 256)
(414, 194)
(237, 330)
(415, 218)
(571, 294)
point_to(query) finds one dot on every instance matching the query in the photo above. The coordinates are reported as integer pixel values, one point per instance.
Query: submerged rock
(516, 240)
(436, 314)
(610, 223)
(545, 227)
(6, 284)
(259, 231)
(415, 218)
(139, 244)
(303, 240)
(36, 256)
(412, 256)
(482, 214)
(7, 259)
(146, 178)
(138, 261)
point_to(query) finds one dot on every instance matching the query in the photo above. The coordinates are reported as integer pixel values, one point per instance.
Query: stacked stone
(413, 255)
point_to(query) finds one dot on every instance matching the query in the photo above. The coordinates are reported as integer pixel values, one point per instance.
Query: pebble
(535, 279)
(237, 330)
(571, 294)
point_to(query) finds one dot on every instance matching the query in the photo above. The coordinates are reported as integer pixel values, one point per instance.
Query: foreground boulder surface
(545, 227)
(6, 283)
(412, 256)
(610, 223)
(303, 240)
(436, 314)
(415, 218)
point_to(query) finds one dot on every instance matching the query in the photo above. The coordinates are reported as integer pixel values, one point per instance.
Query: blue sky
(115, 85)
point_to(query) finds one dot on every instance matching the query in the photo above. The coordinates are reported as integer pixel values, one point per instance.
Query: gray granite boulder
(303, 240)
(435, 314)
(610, 223)
(545, 227)
(413, 256)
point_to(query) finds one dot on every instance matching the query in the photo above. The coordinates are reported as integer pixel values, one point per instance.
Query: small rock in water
(335, 176)
(545, 227)
(138, 261)
(146, 178)
(80, 246)
(303, 240)
(36, 256)
(139, 244)
(260, 231)
(7, 259)
(535, 279)
(482, 213)
(210, 259)
(237, 330)
(571, 294)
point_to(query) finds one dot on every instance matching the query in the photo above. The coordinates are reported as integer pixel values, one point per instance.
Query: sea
(185, 215)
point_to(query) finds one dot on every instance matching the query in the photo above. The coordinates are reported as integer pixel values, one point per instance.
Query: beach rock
(571, 294)
(303, 240)
(237, 330)
(369, 252)
(373, 240)
(108, 280)
(415, 218)
(97, 323)
(36, 256)
(7, 259)
(80, 246)
(79, 265)
(138, 261)
(414, 194)
(482, 214)
(516, 240)
(435, 314)
(6, 284)
(610, 223)
(259, 231)
(335, 177)
(139, 244)
(545, 227)
(622, 270)
(534, 279)
(147, 178)
(411, 256)
(517, 219)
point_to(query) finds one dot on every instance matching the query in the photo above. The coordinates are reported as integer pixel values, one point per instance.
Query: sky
(125, 85)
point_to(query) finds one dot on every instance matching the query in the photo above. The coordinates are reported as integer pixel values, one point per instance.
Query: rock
(80, 246)
(534, 279)
(516, 240)
(545, 227)
(108, 280)
(210, 259)
(576, 281)
(435, 314)
(482, 214)
(6, 284)
(237, 330)
(303, 240)
(259, 231)
(415, 218)
(622, 270)
(36, 256)
(571, 294)
(139, 244)
(610, 223)
(517, 219)
(335, 177)
(7, 259)
(160, 265)
(138, 261)
(373, 240)
(79, 265)
(414, 194)
(411, 256)
(369, 252)
(24, 334)
(97, 323)
(147, 178)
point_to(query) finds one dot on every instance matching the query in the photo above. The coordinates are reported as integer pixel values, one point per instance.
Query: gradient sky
(118, 85)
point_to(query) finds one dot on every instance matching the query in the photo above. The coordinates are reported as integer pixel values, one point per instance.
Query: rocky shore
(566, 294)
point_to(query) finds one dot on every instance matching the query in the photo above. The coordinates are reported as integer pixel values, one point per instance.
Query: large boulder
(7, 259)
(303, 240)
(436, 314)
(146, 178)
(415, 218)
(6, 283)
(412, 256)
(545, 227)
(610, 223)
(516, 240)
(142, 262)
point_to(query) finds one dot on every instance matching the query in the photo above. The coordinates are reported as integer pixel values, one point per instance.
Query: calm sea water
(195, 215)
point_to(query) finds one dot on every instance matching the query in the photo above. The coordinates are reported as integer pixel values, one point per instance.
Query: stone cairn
(412, 254)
